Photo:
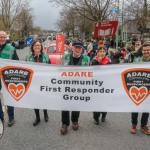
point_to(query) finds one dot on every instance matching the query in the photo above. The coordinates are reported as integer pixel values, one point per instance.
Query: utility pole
(122, 33)
(145, 15)
(117, 11)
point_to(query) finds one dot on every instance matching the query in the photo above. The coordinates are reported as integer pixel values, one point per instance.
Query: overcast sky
(45, 14)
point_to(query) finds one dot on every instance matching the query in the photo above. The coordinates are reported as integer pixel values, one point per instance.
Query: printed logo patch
(17, 80)
(137, 84)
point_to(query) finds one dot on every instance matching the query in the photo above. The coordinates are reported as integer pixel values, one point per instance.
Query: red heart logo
(138, 95)
(17, 91)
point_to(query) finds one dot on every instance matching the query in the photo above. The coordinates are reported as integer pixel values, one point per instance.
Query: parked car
(53, 55)
(50, 38)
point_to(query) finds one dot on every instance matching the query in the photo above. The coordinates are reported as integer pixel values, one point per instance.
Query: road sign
(60, 40)
(29, 41)
(105, 28)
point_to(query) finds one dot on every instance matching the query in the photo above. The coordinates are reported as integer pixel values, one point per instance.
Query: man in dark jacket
(7, 52)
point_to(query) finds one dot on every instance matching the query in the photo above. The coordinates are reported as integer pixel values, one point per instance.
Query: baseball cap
(77, 43)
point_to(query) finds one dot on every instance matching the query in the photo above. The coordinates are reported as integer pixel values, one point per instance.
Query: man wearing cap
(76, 58)
(7, 52)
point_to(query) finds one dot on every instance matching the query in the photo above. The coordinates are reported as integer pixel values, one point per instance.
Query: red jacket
(104, 61)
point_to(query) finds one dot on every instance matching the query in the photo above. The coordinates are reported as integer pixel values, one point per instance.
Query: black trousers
(144, 118)
(65, 115)
(96, 115)
(1, 111)
(37, 113)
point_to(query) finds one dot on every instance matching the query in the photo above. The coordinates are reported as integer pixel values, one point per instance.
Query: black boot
(46, 115)
(37, 120)
(103, 116)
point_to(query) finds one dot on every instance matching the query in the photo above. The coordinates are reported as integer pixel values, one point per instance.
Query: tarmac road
(112, 135)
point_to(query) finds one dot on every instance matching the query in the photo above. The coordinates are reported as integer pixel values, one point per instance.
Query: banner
(110, 88)
(60, 41)
(105, 28)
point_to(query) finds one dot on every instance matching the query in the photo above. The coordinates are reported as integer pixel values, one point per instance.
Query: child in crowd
(100, 59)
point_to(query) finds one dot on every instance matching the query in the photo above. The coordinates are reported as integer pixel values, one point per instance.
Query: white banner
(111, 88)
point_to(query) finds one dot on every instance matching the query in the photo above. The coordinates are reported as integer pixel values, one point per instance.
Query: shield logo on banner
(17, 80)
(137, 84)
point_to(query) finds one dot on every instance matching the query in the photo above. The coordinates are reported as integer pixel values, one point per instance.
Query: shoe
(63, 129)
(75, 125)
(103, 119)
(46, 119)
(145, 130)
(133, 129)
(96, 121)
(11, 122)
(2, 119)
(36, 122)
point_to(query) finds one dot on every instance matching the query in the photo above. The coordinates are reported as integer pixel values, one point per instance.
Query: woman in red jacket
(100, 59)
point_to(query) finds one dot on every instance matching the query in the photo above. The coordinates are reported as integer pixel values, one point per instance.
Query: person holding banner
(7, 52)
(37, 55)
(145, 115)
(76, 58)
(100, 59)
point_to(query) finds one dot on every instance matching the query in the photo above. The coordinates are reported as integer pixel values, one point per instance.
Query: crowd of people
(97, 53)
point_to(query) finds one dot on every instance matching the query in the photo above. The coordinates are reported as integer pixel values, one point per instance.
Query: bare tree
(138, 11)
(78, 16)
(25, 21)
(94, 10)
(67, 21)
(76, 24)
(9, 9)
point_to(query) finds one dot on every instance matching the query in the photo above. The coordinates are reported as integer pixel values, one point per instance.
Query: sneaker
(133, 129)
(145, 130)
(75, 125)
(11, 122)
(96, 121)
(63, 129)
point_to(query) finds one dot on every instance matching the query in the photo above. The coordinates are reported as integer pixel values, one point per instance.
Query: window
(51, 49)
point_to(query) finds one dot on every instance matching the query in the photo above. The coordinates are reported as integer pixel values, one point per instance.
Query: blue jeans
(10, 111)
(1, 111)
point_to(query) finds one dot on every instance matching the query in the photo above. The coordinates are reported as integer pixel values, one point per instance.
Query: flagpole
(117, 33)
